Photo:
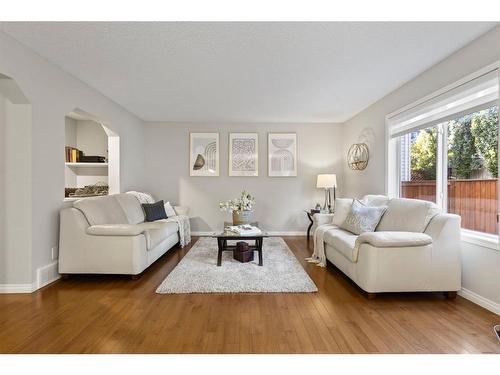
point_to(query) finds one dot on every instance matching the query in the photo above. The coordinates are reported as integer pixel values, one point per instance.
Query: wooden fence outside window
(474, 200)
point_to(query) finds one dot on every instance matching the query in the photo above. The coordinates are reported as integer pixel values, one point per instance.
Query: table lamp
(327, 182)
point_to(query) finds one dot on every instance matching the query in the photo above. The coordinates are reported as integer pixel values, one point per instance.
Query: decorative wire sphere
(358, 156)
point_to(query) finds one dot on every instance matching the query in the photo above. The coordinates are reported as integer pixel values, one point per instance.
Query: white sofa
(415, 247)
(108, 235)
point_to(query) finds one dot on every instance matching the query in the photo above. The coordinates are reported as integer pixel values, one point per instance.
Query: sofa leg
(371, 295)
(135, 277)
(450, 295)
(64, 276)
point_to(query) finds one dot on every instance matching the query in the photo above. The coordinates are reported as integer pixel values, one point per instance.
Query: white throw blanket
(184, 228)
(319, 256)
(142, 197)
(181, 220)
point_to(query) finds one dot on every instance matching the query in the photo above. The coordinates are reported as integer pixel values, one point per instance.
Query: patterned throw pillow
(362, 218)
(154, 211)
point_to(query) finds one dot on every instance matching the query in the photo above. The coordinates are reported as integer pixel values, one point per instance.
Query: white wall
(280, 201)
(3, 187)
(369, 125)
(53, 93)
(15, 208)
(91, 138)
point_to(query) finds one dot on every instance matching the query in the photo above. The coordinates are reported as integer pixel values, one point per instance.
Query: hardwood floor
(114, 314)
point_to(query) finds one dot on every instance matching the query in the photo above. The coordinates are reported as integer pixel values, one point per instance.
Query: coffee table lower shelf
(223, 246)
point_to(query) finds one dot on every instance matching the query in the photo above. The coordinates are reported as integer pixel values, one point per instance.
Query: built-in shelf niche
(92, 138)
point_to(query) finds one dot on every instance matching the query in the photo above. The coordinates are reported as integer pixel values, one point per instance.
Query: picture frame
(243, 154)
(282, 154)
(204, 154)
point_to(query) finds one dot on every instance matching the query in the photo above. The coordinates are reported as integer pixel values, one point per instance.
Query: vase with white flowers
(241, 208)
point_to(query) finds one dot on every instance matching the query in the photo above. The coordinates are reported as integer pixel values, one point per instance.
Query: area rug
(197, 272)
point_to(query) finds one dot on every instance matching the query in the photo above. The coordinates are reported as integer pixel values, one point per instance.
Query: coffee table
(224, 236)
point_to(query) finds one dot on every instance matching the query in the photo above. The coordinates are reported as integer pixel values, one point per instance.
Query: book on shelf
(92, 159)
(74, 155)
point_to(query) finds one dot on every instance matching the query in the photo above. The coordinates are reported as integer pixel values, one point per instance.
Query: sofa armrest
(394, 239)
(445, 226)
(115, 230)
(321, 219)
(181, 210)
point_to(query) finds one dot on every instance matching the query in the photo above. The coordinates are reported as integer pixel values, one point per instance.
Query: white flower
(244, 203)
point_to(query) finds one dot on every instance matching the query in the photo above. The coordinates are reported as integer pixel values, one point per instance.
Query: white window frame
(392, 156)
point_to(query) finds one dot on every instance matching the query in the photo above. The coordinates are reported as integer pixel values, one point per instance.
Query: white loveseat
(108, 235)
(415, 247)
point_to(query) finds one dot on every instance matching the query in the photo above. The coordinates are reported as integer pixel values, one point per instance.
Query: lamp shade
(326, 181)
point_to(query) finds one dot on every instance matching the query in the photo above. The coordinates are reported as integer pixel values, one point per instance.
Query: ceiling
(245, 72)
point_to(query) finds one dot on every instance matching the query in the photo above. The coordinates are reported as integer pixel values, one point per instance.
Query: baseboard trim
(17, 288)
(271, 233)
(287, 233)
(44, 276)
(480, 300)
(47, 274)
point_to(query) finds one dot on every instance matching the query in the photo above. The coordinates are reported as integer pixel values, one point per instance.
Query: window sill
(489, 241)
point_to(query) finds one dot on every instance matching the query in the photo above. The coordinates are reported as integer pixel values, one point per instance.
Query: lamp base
(327, 207)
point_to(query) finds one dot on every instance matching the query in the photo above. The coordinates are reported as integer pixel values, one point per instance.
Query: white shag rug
(197, 272)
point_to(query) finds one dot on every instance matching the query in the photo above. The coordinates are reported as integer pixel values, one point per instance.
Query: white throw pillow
(169, 210)
(342, 209)
(362, 218)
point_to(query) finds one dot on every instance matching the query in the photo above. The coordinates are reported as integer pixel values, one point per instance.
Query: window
(472, 145)
(418, 151)
(445, 150)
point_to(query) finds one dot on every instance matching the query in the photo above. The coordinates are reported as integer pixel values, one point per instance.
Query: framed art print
(282, 154)
(204, 154)
(243, 154)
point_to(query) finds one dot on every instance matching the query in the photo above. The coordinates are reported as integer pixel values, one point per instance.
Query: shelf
(87, 165)
(72, 199)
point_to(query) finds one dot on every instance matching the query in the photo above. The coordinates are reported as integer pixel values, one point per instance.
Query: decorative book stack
(74, 155)
(243, 253)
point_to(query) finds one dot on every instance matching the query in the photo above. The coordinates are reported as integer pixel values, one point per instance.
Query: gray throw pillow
(154, 211)
(362, 218)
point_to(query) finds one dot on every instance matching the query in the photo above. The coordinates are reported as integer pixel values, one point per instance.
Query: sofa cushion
(115, 230)
(342, 209)
(375, 200)
(343, 241)
(407, 215)
(394, 239)
(132, 207)
(158, 231)
(102, 210)
(362, 218)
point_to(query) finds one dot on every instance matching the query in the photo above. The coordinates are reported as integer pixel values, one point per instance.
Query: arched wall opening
(92, 156)
(15, 187)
